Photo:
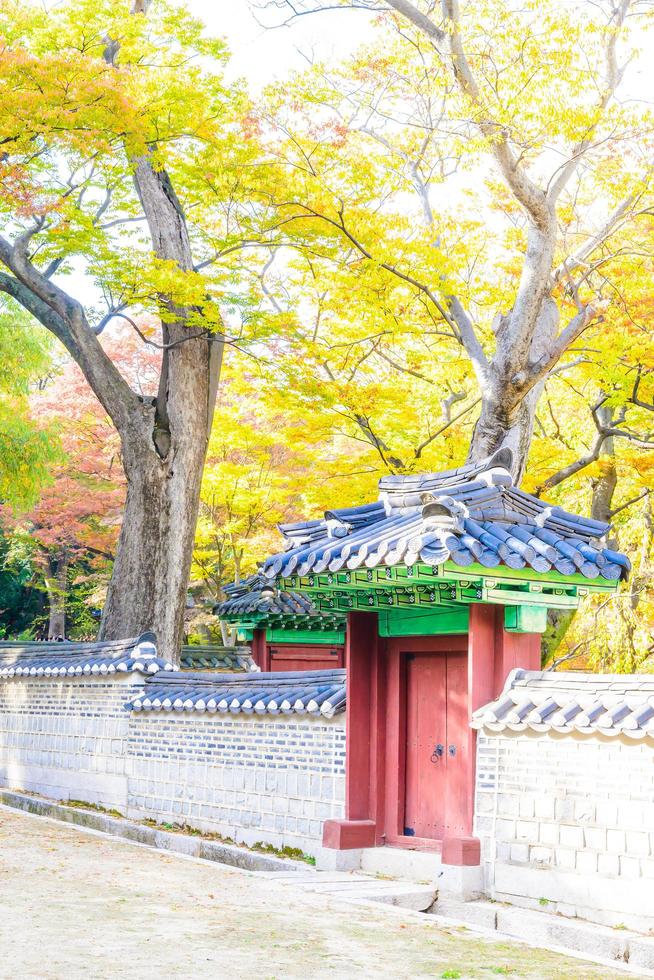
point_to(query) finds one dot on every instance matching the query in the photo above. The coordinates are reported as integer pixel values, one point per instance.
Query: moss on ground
(261, 847)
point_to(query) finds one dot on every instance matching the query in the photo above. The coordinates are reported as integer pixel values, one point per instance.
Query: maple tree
(74, 524)
(121, 149)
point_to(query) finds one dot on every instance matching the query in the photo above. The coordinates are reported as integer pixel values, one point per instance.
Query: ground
(76, 904)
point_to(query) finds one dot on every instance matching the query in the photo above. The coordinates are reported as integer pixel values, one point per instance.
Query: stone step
(541, 928)
(399, 862)
(402, 894)
(415, 897)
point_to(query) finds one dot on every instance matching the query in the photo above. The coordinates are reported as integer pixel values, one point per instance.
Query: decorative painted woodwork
(425, 585)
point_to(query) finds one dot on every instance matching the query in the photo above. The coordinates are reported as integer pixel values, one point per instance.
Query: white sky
(262, 55)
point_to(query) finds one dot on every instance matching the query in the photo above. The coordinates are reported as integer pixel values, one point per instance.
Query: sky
(262, 55)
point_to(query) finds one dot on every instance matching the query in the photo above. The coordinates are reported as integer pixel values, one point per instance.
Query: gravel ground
(80, 905)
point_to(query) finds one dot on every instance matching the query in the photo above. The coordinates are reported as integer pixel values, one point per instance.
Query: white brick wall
(274, 779)
(567, 822)
(66, 738)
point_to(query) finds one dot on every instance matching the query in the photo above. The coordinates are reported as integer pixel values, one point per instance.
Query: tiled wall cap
(566, 702)
(137, 654)
(311, 692)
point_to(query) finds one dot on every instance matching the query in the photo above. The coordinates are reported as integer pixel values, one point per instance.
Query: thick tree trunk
(56, 582)
(163, 464)
(604, 485)
(164, 449)
(500, 425)
(508, 413)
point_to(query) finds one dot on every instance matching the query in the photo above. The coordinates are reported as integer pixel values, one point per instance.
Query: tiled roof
(256, 596)
(608, 704)
(258, 599)
(473, 514)
(59, 659)
(217, 658)
(312, 692)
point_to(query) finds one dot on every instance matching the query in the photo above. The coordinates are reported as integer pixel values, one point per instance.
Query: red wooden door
(457, 747)
(436, 745)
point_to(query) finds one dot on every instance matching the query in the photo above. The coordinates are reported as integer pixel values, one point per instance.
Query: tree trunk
(508, 413)
(500, 426)
(56, 581)
(163, 463)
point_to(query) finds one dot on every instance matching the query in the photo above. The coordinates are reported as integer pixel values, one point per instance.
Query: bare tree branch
(615, 220)
(426, 442)
(606, 430)
(612, 80)
(449, 42)
(65, 318)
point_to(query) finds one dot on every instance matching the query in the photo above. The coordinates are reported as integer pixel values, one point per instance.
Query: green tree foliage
(22, 601)
(27, 450)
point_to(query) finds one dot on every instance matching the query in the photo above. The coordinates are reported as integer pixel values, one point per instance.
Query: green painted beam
(525, 619)
(305, 636)
(472, 576)
(442, 621)
(380, 588)
(376, 599)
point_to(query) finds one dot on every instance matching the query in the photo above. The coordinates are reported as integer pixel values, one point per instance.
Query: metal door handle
(451, 750)
(437, 753)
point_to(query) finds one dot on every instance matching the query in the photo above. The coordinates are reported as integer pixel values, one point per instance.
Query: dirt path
(76, 905)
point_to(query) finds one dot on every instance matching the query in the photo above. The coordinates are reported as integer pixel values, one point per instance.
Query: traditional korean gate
(437, 738)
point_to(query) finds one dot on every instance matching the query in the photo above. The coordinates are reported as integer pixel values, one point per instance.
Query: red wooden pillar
(518, 650)
(492, 654)
(364, 736)
(260, 651)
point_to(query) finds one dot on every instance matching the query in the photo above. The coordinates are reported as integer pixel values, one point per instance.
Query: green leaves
(27, 449)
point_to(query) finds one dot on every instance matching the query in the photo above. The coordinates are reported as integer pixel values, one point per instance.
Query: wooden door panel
(456, 754)
(309, 657)
(436, 763)
(425, 772)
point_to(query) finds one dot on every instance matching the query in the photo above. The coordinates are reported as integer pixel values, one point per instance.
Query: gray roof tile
(541, 701)
(313, 692)
(246, 597)
(471, 514)
(75, 659)
(214, 657)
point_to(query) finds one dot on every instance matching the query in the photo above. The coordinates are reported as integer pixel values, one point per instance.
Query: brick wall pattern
(252, 778)
(567, 822)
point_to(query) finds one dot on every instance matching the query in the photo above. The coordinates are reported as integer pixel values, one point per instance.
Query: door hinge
(409, 832)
